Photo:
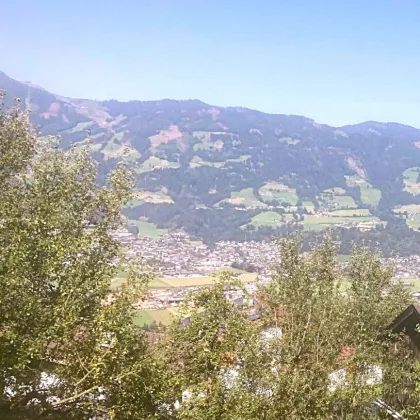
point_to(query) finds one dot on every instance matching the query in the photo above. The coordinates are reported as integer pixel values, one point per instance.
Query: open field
(415, 283)
(411, 180)
(147, 229)
(315, 222)
(280, 192)
(335, 201)
(165, 316)
(245, 198)
(79, 127)
(156, 197)
(206, 142)
(368, 194)
(171, 282)
(350, 213)
(270, 218)
(196, 162)
(155, 163)
(309, 206)
(336, 190)
(174, 282)
(409, 208)
(242, 158)
(116, 150)
(414, 221)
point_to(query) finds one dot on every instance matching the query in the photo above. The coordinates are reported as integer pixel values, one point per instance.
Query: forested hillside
(235, 173)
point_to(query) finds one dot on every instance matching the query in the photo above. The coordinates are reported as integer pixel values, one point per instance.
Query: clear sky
(337, 61)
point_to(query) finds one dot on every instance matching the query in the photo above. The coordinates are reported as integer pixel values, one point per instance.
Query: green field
(196, 162)
(147, 229)
(174, 282)
(350, 213)
(368, 194)
(415, 283)
(245, 198)
(335, 190)
(79, 127)
(333, 201)
(411, 180)
(242, 158)
(315, 222)
(270, 218)
(155, 163)
(413, 214)
(309, 206)
(409, 208)
(114, 150)
(414, 221)
(206, 142)
(147, 316)
(412, 174)
(280, 192)
(171, 282)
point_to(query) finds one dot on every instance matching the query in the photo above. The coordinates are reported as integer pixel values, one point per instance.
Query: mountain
(236, 173)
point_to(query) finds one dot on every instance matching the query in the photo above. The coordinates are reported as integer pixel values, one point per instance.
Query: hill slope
(223, 173)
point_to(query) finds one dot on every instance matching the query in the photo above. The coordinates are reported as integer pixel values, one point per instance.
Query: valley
(235, 174)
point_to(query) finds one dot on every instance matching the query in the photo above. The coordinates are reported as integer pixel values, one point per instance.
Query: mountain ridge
(237, 173)
(30, 84)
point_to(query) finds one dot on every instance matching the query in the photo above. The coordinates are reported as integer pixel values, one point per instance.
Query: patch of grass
(242, 158)
(269, 218)
(79, 127)
(118, 136)
(188, 281)
(412, 174)
(368, 194)
(157, 197)
(280, 192)
(244, 197)
(319, 222)
(155, 163)
(206, 142)
(333, 201)
(196, 162)
(147, 316)
(409, 208)
(148, 229)
(176, 282)
(414, 221)
(134, 203)
(114, 150)
(309, 206)
(411, 180)
(335, 190)
(350, 213)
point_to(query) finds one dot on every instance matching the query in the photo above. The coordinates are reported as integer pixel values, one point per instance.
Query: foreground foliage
(64, 352)
(304, 348)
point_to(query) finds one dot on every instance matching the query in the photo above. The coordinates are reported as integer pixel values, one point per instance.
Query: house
(408, 322)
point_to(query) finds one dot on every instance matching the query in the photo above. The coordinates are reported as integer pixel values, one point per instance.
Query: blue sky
(339, 62)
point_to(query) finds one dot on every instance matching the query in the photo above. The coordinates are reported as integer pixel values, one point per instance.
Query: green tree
(68, 347)
(319, 350)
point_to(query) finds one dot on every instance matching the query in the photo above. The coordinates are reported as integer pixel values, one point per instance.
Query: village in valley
(182, 265)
